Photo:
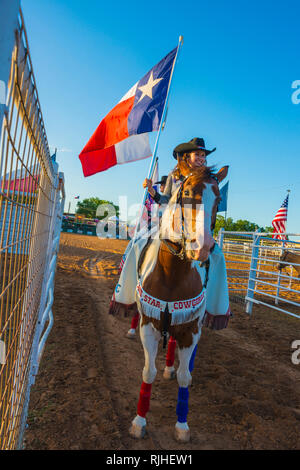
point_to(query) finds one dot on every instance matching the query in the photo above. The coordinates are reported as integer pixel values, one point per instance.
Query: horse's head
(195, 209)
(283, 259)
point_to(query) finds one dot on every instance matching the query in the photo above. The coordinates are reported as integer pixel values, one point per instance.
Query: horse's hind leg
(184, 378)
(150, 339)
(169, 371)
(134, 323)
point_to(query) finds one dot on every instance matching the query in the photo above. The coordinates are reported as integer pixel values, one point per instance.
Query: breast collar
(182, 311)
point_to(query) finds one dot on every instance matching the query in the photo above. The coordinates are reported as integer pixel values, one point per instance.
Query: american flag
(280, 219)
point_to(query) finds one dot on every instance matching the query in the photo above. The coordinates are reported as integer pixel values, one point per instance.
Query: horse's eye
(186, 193)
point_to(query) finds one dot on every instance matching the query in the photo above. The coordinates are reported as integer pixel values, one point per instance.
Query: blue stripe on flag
(146, 113)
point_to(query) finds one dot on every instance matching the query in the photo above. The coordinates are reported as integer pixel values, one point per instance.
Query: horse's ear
(221, 175)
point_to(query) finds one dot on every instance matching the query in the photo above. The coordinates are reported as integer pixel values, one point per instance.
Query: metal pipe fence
(31, 207)
(253, 261)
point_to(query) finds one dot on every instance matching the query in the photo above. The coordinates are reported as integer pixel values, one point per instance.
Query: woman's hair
(176, 172)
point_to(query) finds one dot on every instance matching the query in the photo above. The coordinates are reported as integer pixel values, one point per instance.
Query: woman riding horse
(171, 283)
(195, 153)
(172, 287)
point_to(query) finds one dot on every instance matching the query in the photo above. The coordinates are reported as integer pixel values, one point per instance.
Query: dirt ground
(245, 392)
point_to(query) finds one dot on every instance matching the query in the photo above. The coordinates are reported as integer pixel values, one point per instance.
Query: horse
(287, 258)
(173, 275)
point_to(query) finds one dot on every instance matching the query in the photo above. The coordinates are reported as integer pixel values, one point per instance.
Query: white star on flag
(147, 89)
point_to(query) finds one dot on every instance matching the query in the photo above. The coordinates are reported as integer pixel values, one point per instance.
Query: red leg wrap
(170, 358)
(135, 321)
(144, 401)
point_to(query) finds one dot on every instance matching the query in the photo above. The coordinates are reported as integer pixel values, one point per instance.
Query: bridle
(183, 241)
(182, 252)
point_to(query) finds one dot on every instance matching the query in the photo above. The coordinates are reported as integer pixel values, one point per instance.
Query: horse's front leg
(150, 338)
(184, 378)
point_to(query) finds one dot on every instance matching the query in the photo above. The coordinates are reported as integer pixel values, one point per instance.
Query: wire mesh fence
(29, 190)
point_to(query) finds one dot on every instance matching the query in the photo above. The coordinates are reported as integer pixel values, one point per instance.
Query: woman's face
(197, 158)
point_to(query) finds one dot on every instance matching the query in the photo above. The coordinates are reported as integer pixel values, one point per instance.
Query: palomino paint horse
(175, 276)
(289, 258)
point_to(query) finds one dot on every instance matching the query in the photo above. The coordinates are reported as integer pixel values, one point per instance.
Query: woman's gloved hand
(148, 184)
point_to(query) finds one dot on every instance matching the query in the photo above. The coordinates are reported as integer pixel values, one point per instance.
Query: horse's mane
(201, 174)
(204, 172)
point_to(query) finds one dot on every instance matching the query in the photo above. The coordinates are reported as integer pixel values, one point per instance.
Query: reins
(182, 252)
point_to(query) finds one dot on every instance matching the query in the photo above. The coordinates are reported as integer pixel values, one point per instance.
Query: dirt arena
(245, 392)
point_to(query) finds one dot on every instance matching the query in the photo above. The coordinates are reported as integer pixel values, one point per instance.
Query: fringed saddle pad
(128, 291)
(182, 311)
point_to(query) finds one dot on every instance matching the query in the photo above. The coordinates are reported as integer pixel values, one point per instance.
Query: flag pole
(161, 126)
(226, 202)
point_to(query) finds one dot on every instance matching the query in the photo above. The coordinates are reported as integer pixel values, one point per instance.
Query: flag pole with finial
(154, 159)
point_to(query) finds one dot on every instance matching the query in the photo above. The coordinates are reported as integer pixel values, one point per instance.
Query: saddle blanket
(126, 294)
(182, 311)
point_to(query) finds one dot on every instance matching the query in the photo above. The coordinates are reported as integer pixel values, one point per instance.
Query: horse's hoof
(169, 373)
(136, 431)
(131, 334)
(182, 435)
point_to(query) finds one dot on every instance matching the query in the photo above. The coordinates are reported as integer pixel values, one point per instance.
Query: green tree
(245, 226)
(88, 207)
(240, 225)
(227, 224)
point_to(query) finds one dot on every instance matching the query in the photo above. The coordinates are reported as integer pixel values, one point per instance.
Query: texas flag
(122, 136)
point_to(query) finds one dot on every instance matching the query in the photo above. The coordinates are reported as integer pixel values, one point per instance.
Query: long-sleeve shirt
(172, 184)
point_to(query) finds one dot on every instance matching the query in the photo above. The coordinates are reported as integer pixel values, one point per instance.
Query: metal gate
(254, 277)
(31, 207)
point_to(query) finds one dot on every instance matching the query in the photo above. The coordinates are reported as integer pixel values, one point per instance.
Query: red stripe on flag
(112, 129)
(98, 160)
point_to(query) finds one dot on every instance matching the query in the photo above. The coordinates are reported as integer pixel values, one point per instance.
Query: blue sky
(232, 86)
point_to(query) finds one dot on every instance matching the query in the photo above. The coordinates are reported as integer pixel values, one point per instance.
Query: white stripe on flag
(130, 93)
(135, 147)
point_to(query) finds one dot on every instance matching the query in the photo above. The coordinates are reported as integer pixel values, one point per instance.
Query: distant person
(162, 183)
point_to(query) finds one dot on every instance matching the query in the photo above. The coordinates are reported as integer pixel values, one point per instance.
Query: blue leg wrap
(182, 408)
(191, 365)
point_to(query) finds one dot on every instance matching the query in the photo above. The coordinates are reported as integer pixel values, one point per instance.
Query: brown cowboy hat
(197, 143)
